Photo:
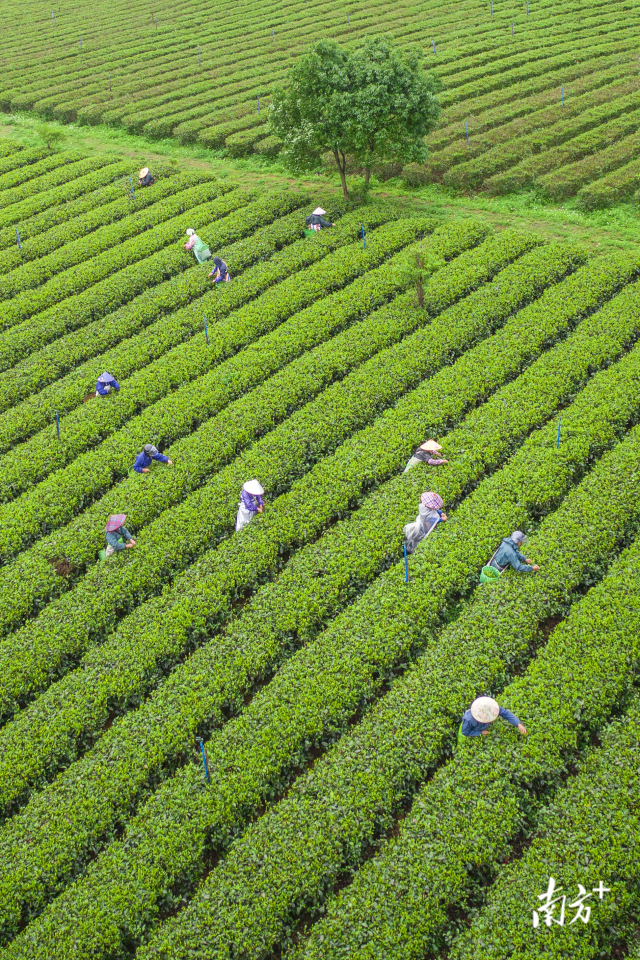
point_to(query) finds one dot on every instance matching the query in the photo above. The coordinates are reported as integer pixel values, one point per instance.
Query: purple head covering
(432, 501)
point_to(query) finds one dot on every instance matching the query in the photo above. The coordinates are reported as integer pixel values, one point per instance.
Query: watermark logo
(554, 904)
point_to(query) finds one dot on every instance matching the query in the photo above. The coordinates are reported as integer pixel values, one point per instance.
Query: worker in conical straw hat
(117, 531)
(316, 221)
(251, 502)
(425, 454)
(200, 249)
(145, 178)
(483, 712)
(429, 516)
(509, 555)
(105, 384)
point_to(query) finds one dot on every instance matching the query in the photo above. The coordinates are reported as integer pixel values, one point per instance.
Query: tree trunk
(342, 168)
(367, 174)
(420, 292)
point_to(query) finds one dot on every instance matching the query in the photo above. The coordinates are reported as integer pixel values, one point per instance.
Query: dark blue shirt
(114, 535)
(474, 728)
(144, 460)
(101, 388)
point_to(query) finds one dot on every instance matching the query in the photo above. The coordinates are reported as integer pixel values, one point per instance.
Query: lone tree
(375, 104)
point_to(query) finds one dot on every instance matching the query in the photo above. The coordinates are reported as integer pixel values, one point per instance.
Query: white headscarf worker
(483, 712)
(251, 502)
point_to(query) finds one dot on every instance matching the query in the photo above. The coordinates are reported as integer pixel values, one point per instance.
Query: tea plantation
(547, 92)
(337, 817)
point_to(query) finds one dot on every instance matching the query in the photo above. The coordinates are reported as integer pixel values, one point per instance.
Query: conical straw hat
(485, 710)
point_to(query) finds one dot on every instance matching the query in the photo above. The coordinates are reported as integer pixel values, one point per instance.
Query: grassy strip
(356, 344)
(309, 702)
(396, 906)
(283, 864)
(308, 431)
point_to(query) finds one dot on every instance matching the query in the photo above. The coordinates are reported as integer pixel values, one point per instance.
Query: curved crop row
(486, 139)
(220, 437)
(599, 127)
(192, 357)
(212, 199)
(51, 201)
(104, 297)
(110, 211)
(398, 900)
(332, 359)
(68, 168)
(284, 862)
(310, 700)
(616, 186)
(199, 609)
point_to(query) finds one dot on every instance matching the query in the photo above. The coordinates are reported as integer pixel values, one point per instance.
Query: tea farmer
(220, 272)
(200, 249)
(424, 454)
(508, 555)
(483, 712)
(106, 383)
(115, 531)
(147, 454)
(145, 178)
(251, 502)
(429, 516)
(316, 221)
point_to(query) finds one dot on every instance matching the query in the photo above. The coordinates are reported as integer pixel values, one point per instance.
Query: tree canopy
(375, 104)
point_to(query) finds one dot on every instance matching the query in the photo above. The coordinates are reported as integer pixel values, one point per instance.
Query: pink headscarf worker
(429, 516)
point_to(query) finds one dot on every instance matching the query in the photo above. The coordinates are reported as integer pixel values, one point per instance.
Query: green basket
(310, 233)
(102, 554)
(489, 575)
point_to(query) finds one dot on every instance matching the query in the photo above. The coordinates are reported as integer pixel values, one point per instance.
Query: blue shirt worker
(508, 555)
(147, 454)
(115, 531)
(106, 383)
(483, 712)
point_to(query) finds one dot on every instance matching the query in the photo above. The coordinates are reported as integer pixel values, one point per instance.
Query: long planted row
(310, 701)
(60, 852)
(69, 167)
(600, 127)
(178, 368)
(101, 299)
(271, 251)
(285, 861)
(50, 203)
(485, 139)
(17, 273)
(396, 906)
(308, 432)
(46, 716)
(113, 253)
